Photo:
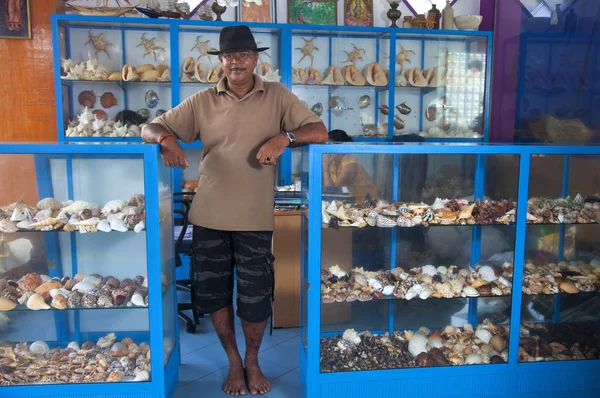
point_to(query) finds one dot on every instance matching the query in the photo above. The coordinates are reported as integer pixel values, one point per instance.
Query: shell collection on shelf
(39, 292)
(420, 282)
(91, 124)
(442, 212)
(424, 348)
(144, 73)
(572, 277)
(51, 215)
(193, 71)
(539, 342)
(457, 132)
(107, 360)
(563, 210)
(372, 75)
(91, 69)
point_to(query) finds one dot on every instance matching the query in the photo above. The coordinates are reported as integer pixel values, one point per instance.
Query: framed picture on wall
(252, 11)
(358, 12)
(320, 12)
(15, 20)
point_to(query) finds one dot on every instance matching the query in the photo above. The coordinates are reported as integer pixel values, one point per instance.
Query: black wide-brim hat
(236, 38)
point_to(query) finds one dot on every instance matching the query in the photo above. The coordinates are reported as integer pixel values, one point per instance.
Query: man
(240, 123)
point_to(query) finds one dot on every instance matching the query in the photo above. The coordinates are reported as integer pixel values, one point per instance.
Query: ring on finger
(268, 158)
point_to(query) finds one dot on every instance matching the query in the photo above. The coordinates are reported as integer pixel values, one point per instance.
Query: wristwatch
(291, 137)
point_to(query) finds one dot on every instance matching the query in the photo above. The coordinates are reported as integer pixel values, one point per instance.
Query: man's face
(239, 66)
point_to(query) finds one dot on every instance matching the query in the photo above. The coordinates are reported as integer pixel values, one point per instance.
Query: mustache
(236, 68)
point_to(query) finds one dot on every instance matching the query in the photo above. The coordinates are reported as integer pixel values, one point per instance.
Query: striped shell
(403, 210)
(385, 222)
(428, 215)
(405, 222)
(361, 279)
(39, 347)
(487, 273)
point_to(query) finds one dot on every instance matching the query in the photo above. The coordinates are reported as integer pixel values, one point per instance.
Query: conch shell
(188, 65)
(353, 76)
(264, 68)
(200, 73)
(215, 74)
(144, 68)
(314, 76)
(165, 76)
(299, 76)
(162, 68)
(569, 130)
(129, 74)
(115, 76)
(415, 77)
(432, 75)
(375, 74)
(151, 75)
(36, 302)
(333, 77)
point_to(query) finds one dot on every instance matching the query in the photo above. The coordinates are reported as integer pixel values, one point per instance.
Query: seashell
(429, 270)
(317, 109)
(388, 290)
(115, 76)
(299, 76)
(375, 75)
(120, 296)
(483, 335)
(25, 224)
(188, 65)
(384, 109)
(114, 377)
(104, 226)
(119, 350)
(73, 345)
(108, 100)
(413, 292)
(417, 345)
(84, 287)
(469, 291)
(428, 215)
(48, 286)
(7, 226)
(487, 273)
(30, 282)
(405, 222)
(142, 376)
(425, 293)
(59, 302)
(385, 222)
(434, 344)
(375, 284)
(364, 101)
(89, 300)
(100, 115)
(151, 75)
(36, 302)
(314, 76)
(151, 99)
(87, 98)
(77, 207)
(568, 287)
(353, 76)
(215, 74)
(473, 359)
(113, 206)
(74, 300)
(118, 225)
(403, 108)
(333, 77)
(398, 123)
(139, 227)
(498, 343)
(6, 304)
(105, 301)
(129, 74)
(138, 300)
(39, 348)
(415, 77)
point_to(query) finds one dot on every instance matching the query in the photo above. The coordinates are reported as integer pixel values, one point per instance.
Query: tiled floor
(204, 363)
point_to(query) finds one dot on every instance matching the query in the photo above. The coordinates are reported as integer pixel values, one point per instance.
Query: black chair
(183, 247)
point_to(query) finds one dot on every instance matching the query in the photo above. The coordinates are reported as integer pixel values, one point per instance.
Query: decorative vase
(448, 16)
(393, 13)
(407, 23)
(218, 10)
(433, 18)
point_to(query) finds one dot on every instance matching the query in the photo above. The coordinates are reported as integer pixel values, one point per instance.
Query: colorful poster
(312, 12)
(14, 19)
(358, 12)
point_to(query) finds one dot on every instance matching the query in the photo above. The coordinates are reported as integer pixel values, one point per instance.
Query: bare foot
(257, 382)
(235, 383)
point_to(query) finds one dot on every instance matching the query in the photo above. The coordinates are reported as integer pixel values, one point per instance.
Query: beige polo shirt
(235, 192)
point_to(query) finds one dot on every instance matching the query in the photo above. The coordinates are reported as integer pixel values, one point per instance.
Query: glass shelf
(118, 82)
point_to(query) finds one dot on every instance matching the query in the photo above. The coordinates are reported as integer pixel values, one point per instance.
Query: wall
(26, 87)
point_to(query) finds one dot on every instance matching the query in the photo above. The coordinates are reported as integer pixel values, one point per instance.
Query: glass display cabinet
(87, 294)
(417, 283)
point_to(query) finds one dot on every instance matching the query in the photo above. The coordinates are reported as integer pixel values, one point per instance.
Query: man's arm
(171, 151)
(311, 133)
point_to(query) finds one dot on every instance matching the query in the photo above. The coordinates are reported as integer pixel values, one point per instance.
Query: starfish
(307, 50)
(150, 46)
(354, 55)
(99, 43)
(203, 48)
(403, 57)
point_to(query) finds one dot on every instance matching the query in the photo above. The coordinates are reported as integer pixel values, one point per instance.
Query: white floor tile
(287, 386)
(286, 354)
(189, 373)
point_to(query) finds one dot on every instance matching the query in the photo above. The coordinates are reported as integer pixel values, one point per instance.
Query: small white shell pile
(51, 215)
(420, 282)
(456, 132)
(107, 360)
(565, 277)
(91, 69)
(39, 292)
(89, 125)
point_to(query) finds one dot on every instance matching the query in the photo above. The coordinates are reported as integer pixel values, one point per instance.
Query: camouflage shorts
(215, 253)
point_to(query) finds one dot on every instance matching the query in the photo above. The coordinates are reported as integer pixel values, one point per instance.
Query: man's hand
(172, 153)
(272, 149)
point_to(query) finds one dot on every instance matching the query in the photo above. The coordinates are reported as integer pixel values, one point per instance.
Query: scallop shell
(429, 270)
(108, 100)
(59, 302)
(417, 345)
(7, 226)
(487, 273)
(100, 115)
(29, 282)
(6, 304)
(87, 98)
(142, 375)
(483, 335)
(84, 287)
(39, 347)
(36, 302)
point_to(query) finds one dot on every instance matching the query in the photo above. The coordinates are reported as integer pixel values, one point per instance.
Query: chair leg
(195, 312)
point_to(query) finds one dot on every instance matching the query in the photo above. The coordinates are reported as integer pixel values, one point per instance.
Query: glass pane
(405, 277)
(343, 79)
(114, 78)
(560, 281)
(304, 264)
(87, 286)
(531, 5)
(440, 87)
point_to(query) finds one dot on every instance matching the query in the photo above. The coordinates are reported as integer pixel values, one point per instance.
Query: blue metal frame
(285, 33)
(164, 375)
(510, 379)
